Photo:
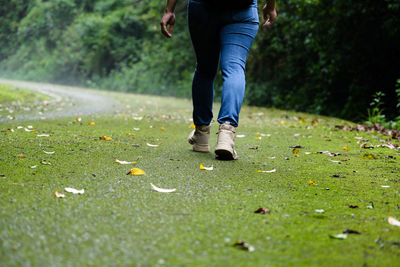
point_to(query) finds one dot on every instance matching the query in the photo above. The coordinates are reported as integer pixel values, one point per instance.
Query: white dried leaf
(150, 145)
(385, 186)
(240, 135)
(162, 190)
(49, 152)
(339, 236)
(74, 191)
(34, 167)
(125, 162)
(393, 221)
(59, 195)
(43, 135)
(319, 211)
(271, 171)
(202, 167)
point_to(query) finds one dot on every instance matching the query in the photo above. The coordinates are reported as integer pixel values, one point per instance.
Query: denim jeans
(225, 37)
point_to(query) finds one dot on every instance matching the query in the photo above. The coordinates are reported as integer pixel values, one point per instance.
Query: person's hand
(168, 20)
(269, 16)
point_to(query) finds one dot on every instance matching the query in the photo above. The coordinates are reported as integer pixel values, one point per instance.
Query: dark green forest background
(322, 56)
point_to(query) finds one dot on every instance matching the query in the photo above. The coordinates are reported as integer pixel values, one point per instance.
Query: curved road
(66, 101)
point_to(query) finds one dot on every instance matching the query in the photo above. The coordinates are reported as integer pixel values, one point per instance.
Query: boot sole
(203, 148)
(222, 154)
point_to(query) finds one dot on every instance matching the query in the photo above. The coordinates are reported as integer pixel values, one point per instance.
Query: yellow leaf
(311, 182)
(282, 123)
(346, 148)
(162, 129)
(128, 133)
(59, 195)
(192, 126)
(136, 171)
(295, 152)
(78, 119)
(106, 138)
(314, 122)
(92, 124)
(206, 168)
(258, 137)
(271, 171)
(368, 156)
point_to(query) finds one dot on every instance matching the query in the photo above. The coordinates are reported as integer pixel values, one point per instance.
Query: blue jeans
(223, 36)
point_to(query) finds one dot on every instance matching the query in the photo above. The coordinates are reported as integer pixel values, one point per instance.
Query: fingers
(167, 24)
(269, 17)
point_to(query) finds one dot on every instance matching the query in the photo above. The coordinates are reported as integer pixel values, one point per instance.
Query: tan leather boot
(199, 138)
(225, 149)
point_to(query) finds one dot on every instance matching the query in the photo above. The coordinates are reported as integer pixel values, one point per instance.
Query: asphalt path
(65, 101)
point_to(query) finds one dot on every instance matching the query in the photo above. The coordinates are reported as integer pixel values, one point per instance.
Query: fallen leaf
(136, 129)
(311, 182)
(150, 145)
(368, 156)
(49, 153)
(137, 118)
(29, 130)
(74, 191)
(385, 186)
(45, 162)
(245, 246)
(106, 138)
(33, 167)
(314, 122)
(136, 171)
(262, 211)
(319, 211)
(349, 231)
(338, 236)
(125, 162)
(162, 128)
(59, 195)
(393, 221)
(21, 156)
(258, 137)
(295, 152)
(271, 171)
(162, 190)
(346, 148)
(240, 135)
(78, 119)
(297, 146)
(43, 135)
(353, 206)
(129, 133)
(282, 123)
(92, 124)
(206, 168)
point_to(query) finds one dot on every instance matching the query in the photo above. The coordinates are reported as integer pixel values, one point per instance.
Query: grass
(121, 221)
(14, 99)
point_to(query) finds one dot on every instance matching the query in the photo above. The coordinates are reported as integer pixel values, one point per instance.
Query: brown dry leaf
(245, 246)
(21, 156)
(106, 138)
(92, 123)
(314, 122)
(136, 171)
(59, 195)
(311, 182)
(262, 211)
(393, 221)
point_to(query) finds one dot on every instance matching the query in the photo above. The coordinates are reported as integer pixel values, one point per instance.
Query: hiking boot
(225, 149)
(199, 138)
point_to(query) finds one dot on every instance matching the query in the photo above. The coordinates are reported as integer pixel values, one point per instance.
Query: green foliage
(321, 56)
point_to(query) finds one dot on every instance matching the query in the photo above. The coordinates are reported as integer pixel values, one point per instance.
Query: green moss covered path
(325, 182)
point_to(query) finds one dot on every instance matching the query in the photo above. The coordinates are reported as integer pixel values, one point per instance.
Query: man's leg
(236, 40)
(204, 32)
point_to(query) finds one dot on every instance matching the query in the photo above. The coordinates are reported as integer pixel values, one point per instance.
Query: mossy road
(329, 184)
